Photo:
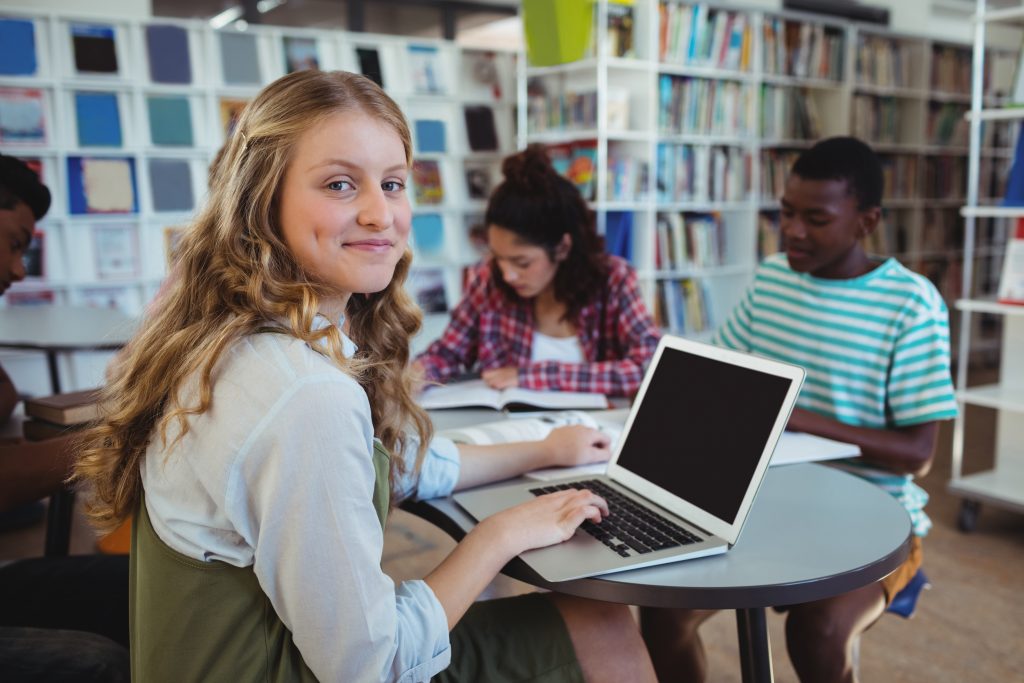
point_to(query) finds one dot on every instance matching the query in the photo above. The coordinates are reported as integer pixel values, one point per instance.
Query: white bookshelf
(1003, 484)
(844, 83)
(73, 274)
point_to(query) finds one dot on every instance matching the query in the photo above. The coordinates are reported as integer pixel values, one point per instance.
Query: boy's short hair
(19, 183)
(844, 158)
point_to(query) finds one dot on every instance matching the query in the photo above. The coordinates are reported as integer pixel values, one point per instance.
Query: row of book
(884, 62)
(789, 114)
(877, 119)
(899, 176)
(698, 173)
(577, 161)
(682, 306)
(689, 240)
(946, 124)
(945, 177)
(802, 49)
(698, 105)
(775, 165)
(561, 110)
(951, 69)
(627, 177)
(703, 36)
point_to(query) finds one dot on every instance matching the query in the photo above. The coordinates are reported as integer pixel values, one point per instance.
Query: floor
(967, 628)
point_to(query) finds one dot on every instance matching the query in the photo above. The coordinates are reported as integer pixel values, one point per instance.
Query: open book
(537, 427)
(476, 394)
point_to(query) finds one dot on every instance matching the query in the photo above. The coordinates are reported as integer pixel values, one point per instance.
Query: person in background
(549, 309)
(61, 618)
(262, 419)
(874, 339)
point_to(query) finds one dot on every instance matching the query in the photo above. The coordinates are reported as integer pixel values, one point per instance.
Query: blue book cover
(170, 121)
(101, 185)
(430, 136)
(428, 233)
(1015, 181)
(98, 119)
(618, 234)
(18, 52)
(167, 49)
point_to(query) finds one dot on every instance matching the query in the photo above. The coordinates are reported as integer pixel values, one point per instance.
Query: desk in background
(54, 330)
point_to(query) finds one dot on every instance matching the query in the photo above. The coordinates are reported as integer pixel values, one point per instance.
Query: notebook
(685, 471)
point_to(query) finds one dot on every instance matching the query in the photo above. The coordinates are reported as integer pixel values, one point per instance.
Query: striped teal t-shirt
(875, 347)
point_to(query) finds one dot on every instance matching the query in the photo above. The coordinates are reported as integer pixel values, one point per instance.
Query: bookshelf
(703, 117)
(122, 118)
(1002, 484)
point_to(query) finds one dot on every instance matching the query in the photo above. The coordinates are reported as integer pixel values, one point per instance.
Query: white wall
(125, 9)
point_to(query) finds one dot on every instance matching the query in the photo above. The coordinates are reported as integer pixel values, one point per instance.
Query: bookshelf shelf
(1003, 484)
(989, 306)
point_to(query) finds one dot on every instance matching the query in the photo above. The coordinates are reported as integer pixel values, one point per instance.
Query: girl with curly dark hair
(549, 309)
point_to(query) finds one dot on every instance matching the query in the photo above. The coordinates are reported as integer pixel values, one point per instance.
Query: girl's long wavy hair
(233, 276)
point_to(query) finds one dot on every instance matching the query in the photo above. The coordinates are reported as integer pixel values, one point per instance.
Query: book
(41, 430)
(427, 288)
(425, 67)
(428, 234)
(170, 182)
(239, 59)
(426, 179)
(31, 297)
(476, 394)
(167, 49)
(480, 128)
(1011, 283)
(478, 181)
(101, 185)
(71, 408)
(482, 68)
(18, 58)
(94, 48)
(430, 135)
(115, 251)
(300, 53)
(22, 118)
(170, 120)
(369, 64)
(98, 119)
(34, 256)
(230, 112)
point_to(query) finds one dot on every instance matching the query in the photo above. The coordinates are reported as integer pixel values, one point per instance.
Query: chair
(904, 604)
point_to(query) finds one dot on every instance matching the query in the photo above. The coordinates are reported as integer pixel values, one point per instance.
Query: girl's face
(527, 268)
(344, 212)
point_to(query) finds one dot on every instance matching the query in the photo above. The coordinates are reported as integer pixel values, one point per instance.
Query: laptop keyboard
(629, 526)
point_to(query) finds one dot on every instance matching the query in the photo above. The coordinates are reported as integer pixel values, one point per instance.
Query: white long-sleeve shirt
(278, 475)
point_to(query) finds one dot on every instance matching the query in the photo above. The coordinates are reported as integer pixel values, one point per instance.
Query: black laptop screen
(701, 428)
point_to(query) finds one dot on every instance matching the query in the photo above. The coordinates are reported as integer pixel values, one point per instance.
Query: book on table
(71, 408)
(476, 394)
(41, 430)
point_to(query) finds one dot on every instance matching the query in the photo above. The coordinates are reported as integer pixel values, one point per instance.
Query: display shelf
(1003, 484)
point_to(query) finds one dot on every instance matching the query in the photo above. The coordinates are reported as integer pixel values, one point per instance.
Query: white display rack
(1003, 484)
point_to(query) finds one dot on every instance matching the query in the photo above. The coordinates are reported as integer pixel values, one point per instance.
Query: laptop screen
(701, 429)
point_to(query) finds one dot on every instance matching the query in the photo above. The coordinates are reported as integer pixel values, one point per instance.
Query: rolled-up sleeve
(437, 476)
(303, 499)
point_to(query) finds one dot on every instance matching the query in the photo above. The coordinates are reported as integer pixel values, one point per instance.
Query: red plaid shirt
(488, 331)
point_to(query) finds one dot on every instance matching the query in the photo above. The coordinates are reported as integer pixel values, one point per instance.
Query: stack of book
(60, 414)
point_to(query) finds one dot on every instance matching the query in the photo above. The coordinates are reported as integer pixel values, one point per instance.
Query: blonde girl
(250, 423)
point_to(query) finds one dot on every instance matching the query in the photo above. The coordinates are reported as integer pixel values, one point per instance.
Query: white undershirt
(560, 349)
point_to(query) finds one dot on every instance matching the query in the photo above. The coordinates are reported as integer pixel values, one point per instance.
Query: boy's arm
(903, 450)
(32, 470)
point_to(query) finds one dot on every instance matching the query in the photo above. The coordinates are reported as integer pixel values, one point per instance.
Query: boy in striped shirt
(874, 339)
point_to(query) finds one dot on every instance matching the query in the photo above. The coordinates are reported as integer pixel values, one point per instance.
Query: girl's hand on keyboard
(545, 520)
(576, 445)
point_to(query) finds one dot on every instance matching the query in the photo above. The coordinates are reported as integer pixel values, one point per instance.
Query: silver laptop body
(693, 452)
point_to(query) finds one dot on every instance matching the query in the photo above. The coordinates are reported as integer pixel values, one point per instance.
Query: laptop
(685, 471)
